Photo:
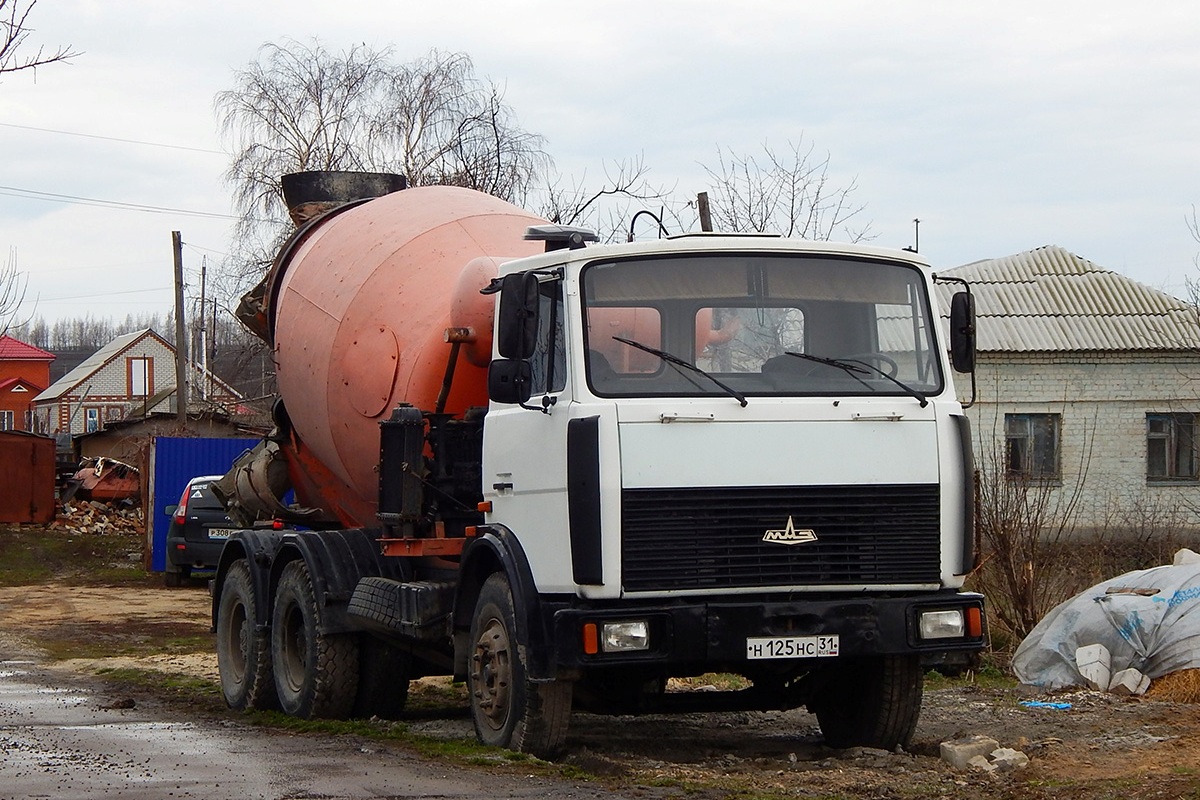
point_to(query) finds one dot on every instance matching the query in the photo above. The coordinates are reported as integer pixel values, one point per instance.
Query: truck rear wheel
(871, 702)
(316, 674)
(243, 652)
(508, 709)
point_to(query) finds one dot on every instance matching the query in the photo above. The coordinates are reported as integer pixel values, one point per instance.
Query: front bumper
(686, 636)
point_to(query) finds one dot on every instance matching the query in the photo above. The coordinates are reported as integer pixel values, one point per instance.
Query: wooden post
(705, 214)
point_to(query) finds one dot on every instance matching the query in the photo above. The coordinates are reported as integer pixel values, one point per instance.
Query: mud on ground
(1103, 746)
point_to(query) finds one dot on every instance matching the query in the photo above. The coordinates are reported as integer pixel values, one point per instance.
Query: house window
(91, 420)
(113, 413)
(6, 420)
(140, 374)
(1171, 447)
(1031, 446)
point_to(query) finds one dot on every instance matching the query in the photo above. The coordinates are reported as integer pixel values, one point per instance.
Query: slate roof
(15, 350)
(1051, 300)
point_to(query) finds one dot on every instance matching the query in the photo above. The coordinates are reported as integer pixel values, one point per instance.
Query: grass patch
(131, 639)
(721, 681)
(36, 555)
(198, 694)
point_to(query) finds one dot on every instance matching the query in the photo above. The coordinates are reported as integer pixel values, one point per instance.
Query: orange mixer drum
(361, 308)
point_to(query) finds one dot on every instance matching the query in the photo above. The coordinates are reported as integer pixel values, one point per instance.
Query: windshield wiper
(854, 365)
(679, 362)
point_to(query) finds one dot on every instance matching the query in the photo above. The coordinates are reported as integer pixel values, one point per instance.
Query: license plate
(220, 533)
(758, 647)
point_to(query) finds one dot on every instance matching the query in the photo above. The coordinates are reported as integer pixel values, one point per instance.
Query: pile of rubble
(97, 518)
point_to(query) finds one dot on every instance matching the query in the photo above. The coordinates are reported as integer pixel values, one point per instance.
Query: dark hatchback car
(198, 530)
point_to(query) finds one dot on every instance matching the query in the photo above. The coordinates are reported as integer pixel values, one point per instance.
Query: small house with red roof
(24, 373)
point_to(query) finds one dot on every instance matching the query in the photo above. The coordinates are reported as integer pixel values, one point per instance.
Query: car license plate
(220, 533)
(792, 646)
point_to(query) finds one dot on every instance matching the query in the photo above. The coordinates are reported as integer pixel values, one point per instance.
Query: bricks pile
(97, 518)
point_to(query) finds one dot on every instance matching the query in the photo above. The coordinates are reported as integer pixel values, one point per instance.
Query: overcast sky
(1003, 127)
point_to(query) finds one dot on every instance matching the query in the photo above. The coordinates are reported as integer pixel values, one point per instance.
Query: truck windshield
(761, 324)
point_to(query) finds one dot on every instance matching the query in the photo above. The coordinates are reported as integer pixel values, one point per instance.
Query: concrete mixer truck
(565, 472)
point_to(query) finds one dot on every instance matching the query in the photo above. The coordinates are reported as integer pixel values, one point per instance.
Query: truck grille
(679, 539)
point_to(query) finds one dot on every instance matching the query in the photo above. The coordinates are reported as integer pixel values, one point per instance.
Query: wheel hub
(491, 674)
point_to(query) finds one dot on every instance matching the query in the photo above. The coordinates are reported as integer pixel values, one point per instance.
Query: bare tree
(1027, 521)
(14, 31)
(787, 193)
(301, 107)
(12, 292)
(607, 209)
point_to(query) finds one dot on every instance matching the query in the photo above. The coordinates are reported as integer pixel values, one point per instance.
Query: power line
(113, 139)
(104, 294)
(31, 194)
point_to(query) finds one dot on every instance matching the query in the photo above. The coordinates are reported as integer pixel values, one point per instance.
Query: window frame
(1032, 454)
(145, 374)
(1171, 449)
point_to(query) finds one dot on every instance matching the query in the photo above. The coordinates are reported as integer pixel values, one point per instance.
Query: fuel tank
(358, 305)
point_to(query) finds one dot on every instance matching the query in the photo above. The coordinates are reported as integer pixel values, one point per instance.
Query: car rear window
(202, 497)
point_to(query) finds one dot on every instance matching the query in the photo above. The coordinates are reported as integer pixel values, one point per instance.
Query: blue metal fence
(175, 461)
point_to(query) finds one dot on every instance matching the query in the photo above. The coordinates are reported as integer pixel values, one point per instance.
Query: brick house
(131, 376)
(1087, 387)
(24, 372)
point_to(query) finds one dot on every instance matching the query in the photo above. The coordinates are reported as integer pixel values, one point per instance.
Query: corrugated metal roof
(1050, 299)
(15, 350)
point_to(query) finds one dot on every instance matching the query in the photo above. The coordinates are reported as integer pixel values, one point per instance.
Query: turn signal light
(591, 639)
(974, 622)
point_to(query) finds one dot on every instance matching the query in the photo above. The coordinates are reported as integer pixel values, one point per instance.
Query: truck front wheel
(243, 651)
(316, 674)
(871, 702)
(508, 709)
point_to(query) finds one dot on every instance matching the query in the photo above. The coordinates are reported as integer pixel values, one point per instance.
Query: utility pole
(203, 344)
(181, 394)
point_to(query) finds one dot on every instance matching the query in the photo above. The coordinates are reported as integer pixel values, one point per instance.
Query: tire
(508, 709)
(383, 674)
(316, 674)
(243, 652)
(871, 702)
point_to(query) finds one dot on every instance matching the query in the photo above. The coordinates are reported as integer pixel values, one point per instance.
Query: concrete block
(959, 752)
(1006, 759)
(1094, 664)
(1129, 682)
(981, 763)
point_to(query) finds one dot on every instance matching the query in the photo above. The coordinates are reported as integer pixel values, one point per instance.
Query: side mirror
(170, 510)
(510, 380)
(962, 332)
(517, 323)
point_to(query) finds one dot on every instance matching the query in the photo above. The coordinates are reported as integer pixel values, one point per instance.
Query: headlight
(618, 637)
(943, 624)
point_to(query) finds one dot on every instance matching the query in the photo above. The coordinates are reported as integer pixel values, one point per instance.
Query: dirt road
(1103, 746)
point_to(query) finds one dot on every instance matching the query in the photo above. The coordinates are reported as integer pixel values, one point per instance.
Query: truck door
(525, 452)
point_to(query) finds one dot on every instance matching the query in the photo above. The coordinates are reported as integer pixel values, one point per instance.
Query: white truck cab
(742, 454)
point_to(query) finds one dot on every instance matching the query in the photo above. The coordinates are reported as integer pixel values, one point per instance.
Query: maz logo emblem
(790, 535)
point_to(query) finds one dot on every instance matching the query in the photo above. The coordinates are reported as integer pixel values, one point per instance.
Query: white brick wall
(1103, 399)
